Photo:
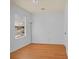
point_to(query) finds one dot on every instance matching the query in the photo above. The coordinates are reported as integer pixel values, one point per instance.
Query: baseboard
(47, 43)
(19, 48)
(35, 43)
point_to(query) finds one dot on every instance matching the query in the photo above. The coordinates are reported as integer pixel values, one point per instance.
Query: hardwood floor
(40, 51)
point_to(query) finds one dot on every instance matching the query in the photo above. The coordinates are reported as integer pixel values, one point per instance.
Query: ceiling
(43, 6)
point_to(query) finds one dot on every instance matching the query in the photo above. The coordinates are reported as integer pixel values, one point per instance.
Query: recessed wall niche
(20, 26)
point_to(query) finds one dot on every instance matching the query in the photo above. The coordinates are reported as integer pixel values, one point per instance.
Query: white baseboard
(19, 47)
(48, 43)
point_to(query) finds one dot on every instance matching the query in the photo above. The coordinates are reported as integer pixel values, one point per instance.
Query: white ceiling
(49, 5)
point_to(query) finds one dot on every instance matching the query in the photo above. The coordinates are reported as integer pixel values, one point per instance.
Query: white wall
(66, 27)
(48, 28)
(18, 43)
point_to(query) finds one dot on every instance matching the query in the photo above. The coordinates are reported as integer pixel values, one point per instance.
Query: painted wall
(18, 43)
(66, 27)
(48, 28)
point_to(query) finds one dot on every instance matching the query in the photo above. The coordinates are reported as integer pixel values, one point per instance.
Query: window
(20, 27)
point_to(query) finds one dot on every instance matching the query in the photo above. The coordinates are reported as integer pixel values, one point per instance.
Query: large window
(20, 26)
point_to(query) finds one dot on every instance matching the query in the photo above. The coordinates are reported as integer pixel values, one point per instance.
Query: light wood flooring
(40, 51)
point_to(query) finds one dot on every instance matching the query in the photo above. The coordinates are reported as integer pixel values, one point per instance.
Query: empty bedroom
(38, 29)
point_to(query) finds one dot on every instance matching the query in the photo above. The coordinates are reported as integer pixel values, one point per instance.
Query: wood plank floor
(40, 51)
